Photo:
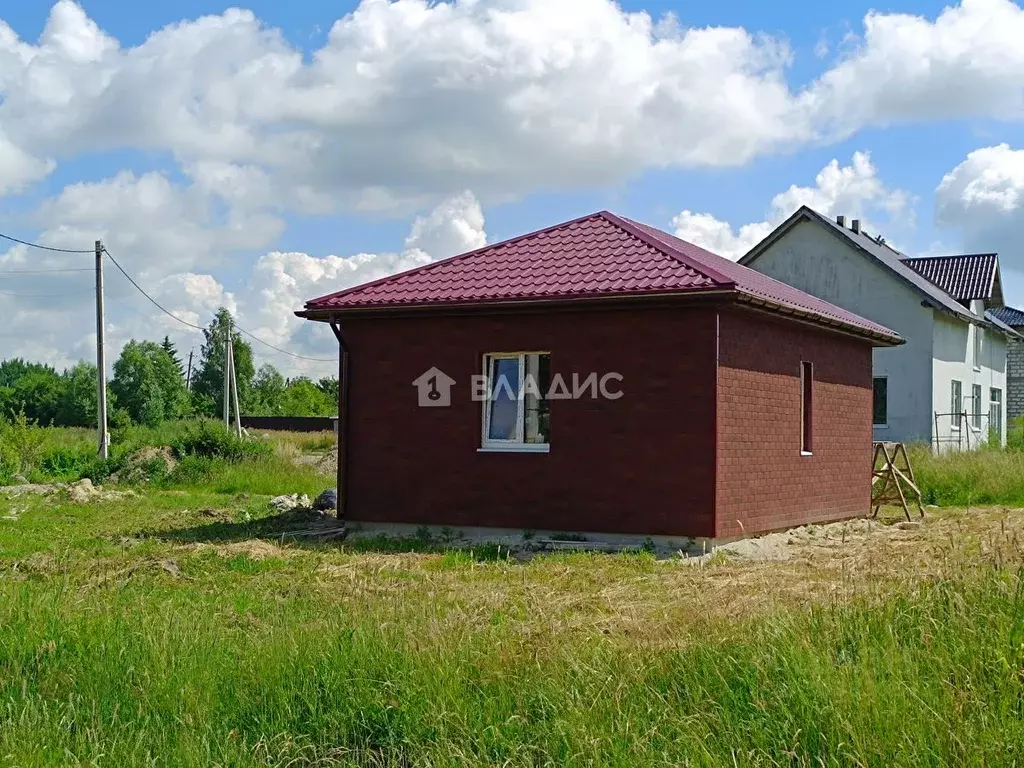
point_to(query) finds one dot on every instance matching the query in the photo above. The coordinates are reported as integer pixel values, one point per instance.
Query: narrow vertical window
(956, 403)
(806, 406)
(880, 401)
(995, 416)
(976, 406)
(979, 340)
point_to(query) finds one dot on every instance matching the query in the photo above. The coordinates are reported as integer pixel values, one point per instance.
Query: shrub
(1015, 434)
(22, 441)
(8, 465)
(209, 439)
(67, 461)
(191, 470)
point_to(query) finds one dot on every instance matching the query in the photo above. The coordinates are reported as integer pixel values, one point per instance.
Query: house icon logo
(434, 389)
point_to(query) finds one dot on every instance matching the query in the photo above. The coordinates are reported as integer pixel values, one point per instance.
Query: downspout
(717, 430)
(343, 421)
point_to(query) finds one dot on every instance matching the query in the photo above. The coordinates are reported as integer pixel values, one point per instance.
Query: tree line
(149, 385)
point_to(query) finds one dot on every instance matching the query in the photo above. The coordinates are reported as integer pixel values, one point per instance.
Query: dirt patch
(257, 549)
(143, 465)
(796, 542)
(31, 489)
(84, 492)
(81, 492)
(324, 463)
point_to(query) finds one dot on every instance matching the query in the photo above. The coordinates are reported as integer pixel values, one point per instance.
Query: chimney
(841, 221)
(855, 226)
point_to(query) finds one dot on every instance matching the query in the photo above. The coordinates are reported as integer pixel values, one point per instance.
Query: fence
(291, 423)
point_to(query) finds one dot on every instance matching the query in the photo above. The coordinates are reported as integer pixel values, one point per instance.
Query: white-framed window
(880, 401)
(956, 403)
(976, 406)
(516, 412)
(979, 341)
(995, 414)
(806, 407)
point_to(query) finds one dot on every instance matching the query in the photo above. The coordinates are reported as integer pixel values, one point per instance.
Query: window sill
(516, 448)
(806, 453)
(977, 369)
(880, 426)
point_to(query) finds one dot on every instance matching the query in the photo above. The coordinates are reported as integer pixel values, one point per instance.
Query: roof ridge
(635, 229)
(457, 257)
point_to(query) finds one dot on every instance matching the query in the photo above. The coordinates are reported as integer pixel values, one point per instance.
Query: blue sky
(906, 89)
(910, 157)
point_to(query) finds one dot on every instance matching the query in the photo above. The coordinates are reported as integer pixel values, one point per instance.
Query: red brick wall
(644, 463)
(763, 481)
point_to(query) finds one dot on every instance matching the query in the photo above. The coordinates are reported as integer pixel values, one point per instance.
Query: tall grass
(987, 476)
(147, 675)
(210, 459)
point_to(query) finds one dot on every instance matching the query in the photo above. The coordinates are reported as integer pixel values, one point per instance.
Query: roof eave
(812, 318)
(323, 314)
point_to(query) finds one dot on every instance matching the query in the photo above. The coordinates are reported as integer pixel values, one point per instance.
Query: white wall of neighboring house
(954, 350)
(812, 259)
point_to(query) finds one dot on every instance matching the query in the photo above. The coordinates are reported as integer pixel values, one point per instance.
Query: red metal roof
(600, 255)
(964, 277)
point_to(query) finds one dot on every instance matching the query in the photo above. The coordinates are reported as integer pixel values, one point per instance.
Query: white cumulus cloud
(853, 190)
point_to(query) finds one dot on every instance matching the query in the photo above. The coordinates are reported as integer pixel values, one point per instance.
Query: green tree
(267, 391)
(208, 385)
(304, 398)
(77, 406)
(13, 370)
(37, 393)
(147, 384)
(172, 352)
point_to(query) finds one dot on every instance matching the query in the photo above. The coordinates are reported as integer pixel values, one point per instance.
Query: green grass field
(176, 628)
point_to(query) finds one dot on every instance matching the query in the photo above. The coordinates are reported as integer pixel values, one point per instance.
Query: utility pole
(234, 389)
(188, 376)
(101, 357)
(227, 374)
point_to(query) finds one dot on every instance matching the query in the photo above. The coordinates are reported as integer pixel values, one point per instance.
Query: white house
(947, 384)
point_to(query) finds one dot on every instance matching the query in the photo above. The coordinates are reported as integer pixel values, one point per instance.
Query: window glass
(880, 402)
(806, 405)
(995, 415)
(976, 406)
(504, 403)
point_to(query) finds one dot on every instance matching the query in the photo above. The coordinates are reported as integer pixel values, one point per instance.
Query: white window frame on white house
(976, 401)
(517, 444)
(979, 340)
(956, 403)
(995, 402)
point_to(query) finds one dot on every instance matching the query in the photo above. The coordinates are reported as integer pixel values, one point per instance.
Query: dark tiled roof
(599, 255)
(966, 277)
(1009, 316)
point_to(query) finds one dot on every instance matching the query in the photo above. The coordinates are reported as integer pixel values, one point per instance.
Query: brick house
(599, 376)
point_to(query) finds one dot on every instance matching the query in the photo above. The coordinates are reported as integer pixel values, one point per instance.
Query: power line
(43, 247)
(199, 328)
(283, 351)
(39, 271)
(45, 295)
(152, 300)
